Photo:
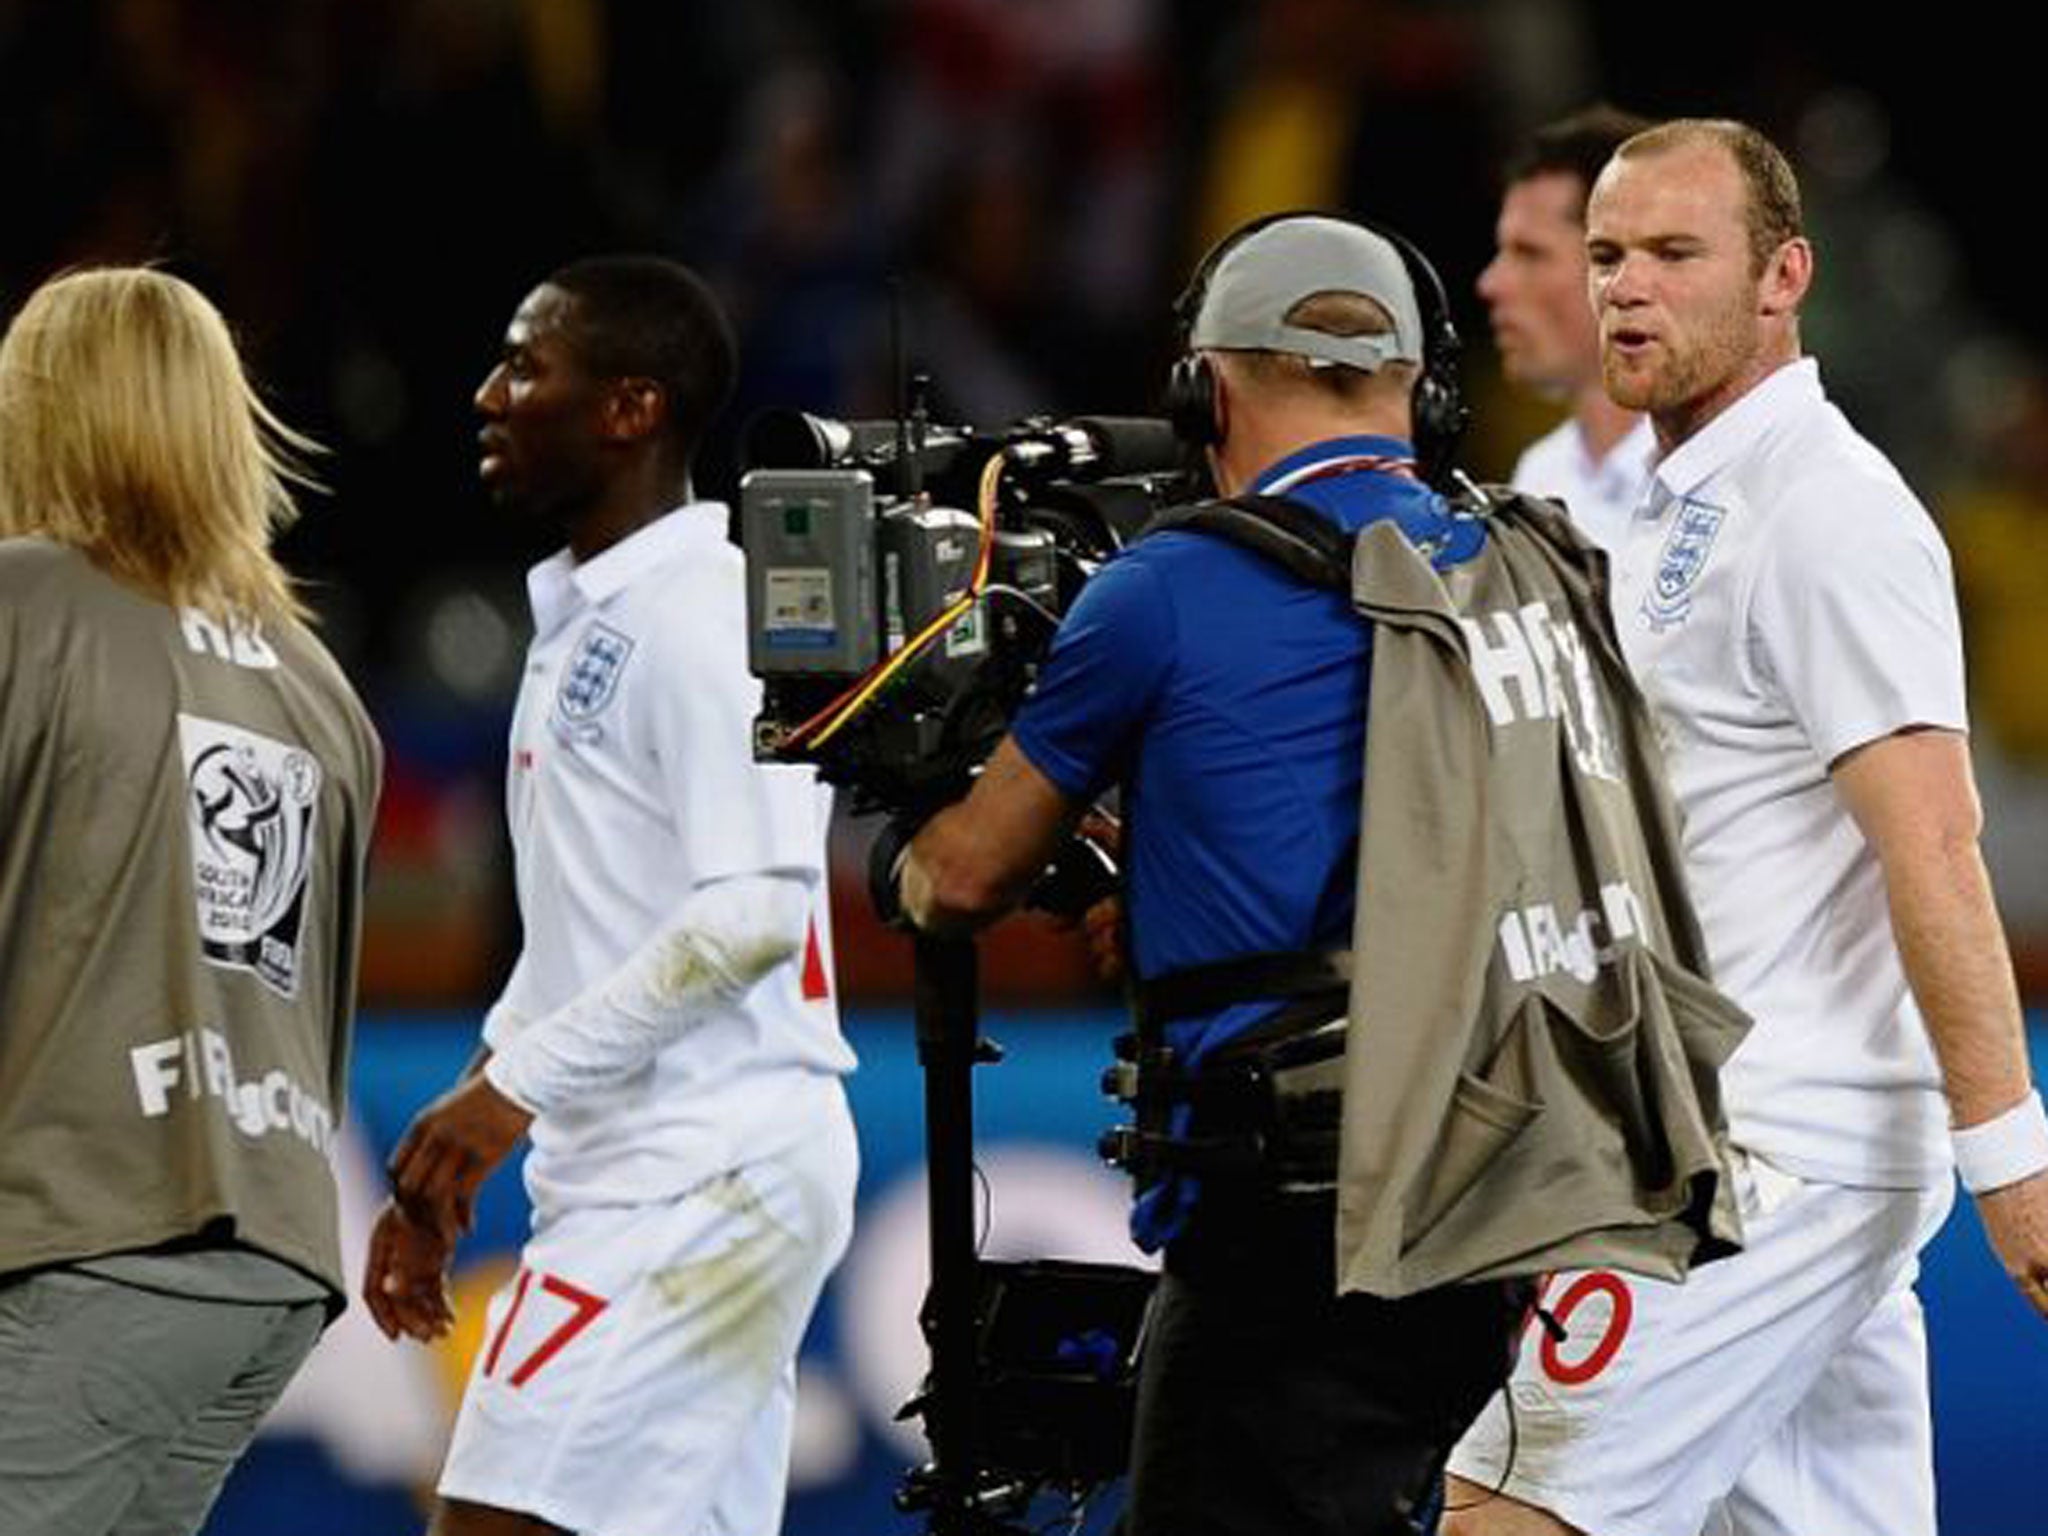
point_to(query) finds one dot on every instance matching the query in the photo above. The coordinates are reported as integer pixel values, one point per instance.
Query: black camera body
(903, 583)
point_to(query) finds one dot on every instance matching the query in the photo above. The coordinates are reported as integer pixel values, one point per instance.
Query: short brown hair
(1772, 212)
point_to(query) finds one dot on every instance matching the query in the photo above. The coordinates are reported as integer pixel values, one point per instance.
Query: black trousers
(1266, 1403)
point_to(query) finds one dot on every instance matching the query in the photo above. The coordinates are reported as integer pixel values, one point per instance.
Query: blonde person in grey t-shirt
(188, 784)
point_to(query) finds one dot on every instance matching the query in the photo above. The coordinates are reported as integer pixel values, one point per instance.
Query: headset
(1440, 412)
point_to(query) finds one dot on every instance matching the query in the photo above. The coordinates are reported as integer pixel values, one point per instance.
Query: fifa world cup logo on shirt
(251, 803)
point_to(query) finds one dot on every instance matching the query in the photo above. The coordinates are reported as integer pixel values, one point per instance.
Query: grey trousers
(122, 1409)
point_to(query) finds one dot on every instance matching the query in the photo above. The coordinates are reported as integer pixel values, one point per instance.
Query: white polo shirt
(1783, 597)
(1600, 493)
(632, 782)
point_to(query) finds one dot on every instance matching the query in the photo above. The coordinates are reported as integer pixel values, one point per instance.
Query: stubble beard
(1679, 379)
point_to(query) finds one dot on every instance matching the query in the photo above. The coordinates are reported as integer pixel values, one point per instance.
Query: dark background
(368, 186)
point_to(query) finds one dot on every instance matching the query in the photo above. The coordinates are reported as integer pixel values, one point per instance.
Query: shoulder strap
(1306, 545)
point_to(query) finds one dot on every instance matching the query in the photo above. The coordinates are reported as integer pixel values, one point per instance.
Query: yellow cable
(830, 720)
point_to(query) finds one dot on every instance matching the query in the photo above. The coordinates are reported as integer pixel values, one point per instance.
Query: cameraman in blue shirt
(1228, 698)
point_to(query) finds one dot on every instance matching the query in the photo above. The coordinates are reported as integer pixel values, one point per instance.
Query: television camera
(903, 580)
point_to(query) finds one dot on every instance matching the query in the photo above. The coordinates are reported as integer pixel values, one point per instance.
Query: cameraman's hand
(1081, 892)
(976, 860)
(1104, 830)
(1080, 875)
(1102, 929)
(886, 857)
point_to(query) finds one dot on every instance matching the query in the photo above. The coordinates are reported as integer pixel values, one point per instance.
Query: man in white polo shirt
(1787, 606)
(668, 1035)
(1597, 460)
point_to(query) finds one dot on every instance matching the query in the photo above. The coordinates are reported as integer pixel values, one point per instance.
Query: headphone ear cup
(1440, 416)
(1190, 403)
(1439, 411)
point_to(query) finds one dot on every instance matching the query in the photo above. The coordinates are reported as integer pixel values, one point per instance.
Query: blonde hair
(129, 431)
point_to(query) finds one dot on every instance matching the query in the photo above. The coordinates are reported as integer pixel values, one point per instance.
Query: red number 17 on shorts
(583, 1311)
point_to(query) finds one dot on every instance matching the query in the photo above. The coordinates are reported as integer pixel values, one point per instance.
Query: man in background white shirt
(1597, 460)
(668, 1033)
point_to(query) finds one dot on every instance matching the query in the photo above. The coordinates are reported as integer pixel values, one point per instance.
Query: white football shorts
(638, 1375)
(1778, 1392)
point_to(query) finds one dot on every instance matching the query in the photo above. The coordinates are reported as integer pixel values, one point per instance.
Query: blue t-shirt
(1229, 699)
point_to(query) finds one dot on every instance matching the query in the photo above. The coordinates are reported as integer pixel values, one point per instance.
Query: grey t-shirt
(184, 812)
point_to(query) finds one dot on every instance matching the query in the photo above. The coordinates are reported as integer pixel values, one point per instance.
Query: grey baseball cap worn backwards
(1262, 277)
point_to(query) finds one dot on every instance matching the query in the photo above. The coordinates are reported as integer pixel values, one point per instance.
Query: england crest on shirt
(590, 681)
(1680, 562)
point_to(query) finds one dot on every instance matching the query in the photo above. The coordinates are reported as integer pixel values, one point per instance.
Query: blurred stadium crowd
(366, 186)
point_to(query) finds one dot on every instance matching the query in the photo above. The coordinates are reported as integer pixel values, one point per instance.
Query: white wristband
(2004, 1149)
